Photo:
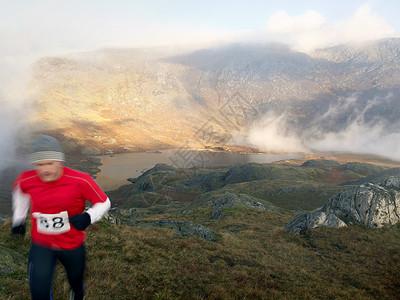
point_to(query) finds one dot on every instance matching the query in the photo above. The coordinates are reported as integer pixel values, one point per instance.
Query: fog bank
(352, 124)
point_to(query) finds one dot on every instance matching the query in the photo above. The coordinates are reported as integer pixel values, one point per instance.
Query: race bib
(52, 223)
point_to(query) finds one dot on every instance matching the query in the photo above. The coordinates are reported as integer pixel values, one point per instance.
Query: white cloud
(310, 31)
(359, 132)
(281, 23)
(273, 134)
(360, 138)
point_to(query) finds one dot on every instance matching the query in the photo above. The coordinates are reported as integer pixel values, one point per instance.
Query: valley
(330, 119)
(130, 100)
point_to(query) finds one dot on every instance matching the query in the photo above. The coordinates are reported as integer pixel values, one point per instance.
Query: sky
(30, 29)
(45, 26)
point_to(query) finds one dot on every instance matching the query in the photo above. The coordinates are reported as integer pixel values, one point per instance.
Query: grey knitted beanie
(46, 148)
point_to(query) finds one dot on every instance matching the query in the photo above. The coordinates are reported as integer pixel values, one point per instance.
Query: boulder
(370, 205)
(302, 221)
(392, 182)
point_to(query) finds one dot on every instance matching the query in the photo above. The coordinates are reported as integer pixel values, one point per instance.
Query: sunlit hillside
(140, 99)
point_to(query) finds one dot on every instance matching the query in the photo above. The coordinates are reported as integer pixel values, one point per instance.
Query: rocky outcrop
(160, 167)
(150, 181)
(244, 172)
(371, 205)
(230, 200)
(316, 218)
(321, 163)
(248, 172)
(393, 182)
(206, 181)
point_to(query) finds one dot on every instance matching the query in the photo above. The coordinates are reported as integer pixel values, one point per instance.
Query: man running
(57, 196)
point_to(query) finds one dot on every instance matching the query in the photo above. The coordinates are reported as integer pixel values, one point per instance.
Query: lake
(117, 169)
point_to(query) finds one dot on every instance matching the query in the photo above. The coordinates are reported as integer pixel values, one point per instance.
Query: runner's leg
(74, 263)
(41, 263)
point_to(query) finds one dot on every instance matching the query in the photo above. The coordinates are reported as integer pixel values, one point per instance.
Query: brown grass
(261, 261)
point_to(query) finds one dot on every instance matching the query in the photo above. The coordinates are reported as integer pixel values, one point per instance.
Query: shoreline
(341, 157)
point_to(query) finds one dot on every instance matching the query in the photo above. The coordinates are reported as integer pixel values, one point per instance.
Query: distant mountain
(132, 99)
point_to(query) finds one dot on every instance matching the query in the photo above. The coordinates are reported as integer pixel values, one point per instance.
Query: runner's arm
(98, 210)
(20, 205)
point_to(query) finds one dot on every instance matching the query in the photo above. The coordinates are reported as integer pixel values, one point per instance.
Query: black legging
(41, 264)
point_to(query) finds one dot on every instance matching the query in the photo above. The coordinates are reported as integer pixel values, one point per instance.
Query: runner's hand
(18, 230)
(80, 222)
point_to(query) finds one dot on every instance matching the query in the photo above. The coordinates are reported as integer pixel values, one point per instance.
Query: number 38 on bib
(52, 223)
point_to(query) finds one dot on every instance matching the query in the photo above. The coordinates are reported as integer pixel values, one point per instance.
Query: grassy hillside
(253, 259)
(250, 257)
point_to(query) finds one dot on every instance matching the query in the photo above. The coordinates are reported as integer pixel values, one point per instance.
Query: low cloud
(362, 128)
(350, 125)
(360, 138)
(16, 110)
(12, 132)
(311, 31)
(273, 134)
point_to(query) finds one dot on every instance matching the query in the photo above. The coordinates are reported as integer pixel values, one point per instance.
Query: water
(117, 169)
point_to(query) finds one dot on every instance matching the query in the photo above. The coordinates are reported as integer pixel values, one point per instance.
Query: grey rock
(112, 218)
(230, 200)
(393, 182)
(370, 205)
(304, 220)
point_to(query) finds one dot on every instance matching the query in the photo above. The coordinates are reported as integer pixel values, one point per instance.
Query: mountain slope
(132, 99)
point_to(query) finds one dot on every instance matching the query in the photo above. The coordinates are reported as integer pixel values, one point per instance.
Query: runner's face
(48, 170)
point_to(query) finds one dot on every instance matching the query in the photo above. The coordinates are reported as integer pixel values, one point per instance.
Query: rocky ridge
(371, 205)
(210, 195)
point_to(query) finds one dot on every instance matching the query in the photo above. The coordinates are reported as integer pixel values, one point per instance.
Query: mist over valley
(238, 98)
(269, 97)
(244, 170)
(250, 150)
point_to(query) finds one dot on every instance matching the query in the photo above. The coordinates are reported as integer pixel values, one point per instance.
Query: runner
(57, 196)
